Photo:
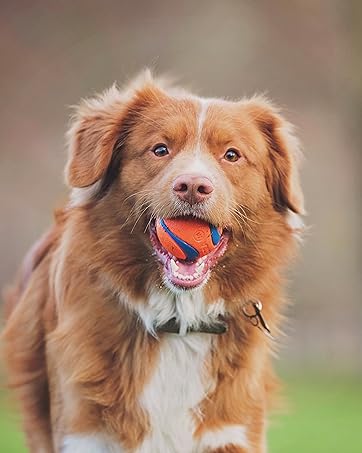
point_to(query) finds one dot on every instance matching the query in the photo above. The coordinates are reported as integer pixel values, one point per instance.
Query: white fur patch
(296, 223)
(189, 309)
(232, 434)
(89, 443)
(79, 196)
(199, 165)
(205, 103)
(171, 398)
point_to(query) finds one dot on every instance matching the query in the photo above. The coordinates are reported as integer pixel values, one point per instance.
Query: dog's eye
(160, 150)
(231, 155)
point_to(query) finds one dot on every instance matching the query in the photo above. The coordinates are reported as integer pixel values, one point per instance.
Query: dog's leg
(24, 351)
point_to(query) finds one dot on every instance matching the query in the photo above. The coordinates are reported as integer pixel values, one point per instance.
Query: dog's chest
(171, 397)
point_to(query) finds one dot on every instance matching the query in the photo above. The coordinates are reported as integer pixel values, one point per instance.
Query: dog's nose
(193, 188)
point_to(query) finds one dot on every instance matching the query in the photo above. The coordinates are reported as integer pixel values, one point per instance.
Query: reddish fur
(76, 354)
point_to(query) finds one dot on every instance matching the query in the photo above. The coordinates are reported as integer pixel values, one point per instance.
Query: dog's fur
(92, 372)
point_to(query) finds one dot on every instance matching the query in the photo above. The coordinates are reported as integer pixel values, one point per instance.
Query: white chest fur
(172, 396)
(180, 380)
(179, 383)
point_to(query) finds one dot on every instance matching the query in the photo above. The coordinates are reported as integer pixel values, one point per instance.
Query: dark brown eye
(160, 150)
(231, 155)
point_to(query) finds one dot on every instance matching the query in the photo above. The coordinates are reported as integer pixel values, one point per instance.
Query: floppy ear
(281, 173)
(92, 137)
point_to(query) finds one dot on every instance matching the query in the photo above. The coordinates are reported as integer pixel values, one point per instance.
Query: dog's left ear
(282, 171)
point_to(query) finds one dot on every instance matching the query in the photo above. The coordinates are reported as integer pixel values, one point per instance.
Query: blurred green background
(304, 54)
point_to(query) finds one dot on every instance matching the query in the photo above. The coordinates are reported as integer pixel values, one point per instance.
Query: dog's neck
(189, 313)
(181, 313)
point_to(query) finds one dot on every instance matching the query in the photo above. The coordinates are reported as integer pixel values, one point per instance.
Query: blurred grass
(324, 416)
(11, 437)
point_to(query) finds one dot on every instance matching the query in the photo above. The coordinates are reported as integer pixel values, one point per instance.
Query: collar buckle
(252, 311)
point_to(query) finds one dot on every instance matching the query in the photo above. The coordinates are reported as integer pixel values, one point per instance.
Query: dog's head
(152, 151)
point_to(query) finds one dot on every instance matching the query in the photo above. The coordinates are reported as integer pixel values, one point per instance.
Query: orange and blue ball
(187, 239)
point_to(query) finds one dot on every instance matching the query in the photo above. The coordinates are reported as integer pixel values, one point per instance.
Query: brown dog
(112, 343)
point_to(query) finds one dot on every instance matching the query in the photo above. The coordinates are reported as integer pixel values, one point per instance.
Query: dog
(107, 346)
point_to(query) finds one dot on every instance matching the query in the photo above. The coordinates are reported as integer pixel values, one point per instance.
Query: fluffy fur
(82, 348)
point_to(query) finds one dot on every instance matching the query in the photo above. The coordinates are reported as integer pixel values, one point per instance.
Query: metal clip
(252, 311)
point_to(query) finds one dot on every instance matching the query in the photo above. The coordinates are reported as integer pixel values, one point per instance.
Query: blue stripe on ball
(190, 252)
(215, 235)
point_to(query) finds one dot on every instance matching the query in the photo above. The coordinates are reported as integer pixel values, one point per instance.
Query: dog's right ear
(92, 137)
(98, 124)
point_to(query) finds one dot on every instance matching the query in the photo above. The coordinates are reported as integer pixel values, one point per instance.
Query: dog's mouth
(184, 274)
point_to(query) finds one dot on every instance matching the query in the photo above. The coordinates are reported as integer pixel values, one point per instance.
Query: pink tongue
(186, 269)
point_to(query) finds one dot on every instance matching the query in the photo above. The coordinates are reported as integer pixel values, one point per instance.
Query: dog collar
(250, 309)
(217, 327)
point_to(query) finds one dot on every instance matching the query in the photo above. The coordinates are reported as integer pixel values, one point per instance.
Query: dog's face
(153, 153)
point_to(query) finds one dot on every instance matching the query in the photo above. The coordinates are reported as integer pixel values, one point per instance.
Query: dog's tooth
(174, 266)
(200, 267)
(196, 274)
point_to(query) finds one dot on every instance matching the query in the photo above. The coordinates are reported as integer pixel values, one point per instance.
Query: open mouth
(187, 274)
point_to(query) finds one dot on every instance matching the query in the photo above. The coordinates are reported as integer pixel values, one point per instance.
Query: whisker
(238, 222)
(152, 217)
(145, 191)
(139, 217)
(244, 219)
(134, 209)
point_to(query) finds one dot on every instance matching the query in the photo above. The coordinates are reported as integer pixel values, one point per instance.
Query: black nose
(193, 188)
